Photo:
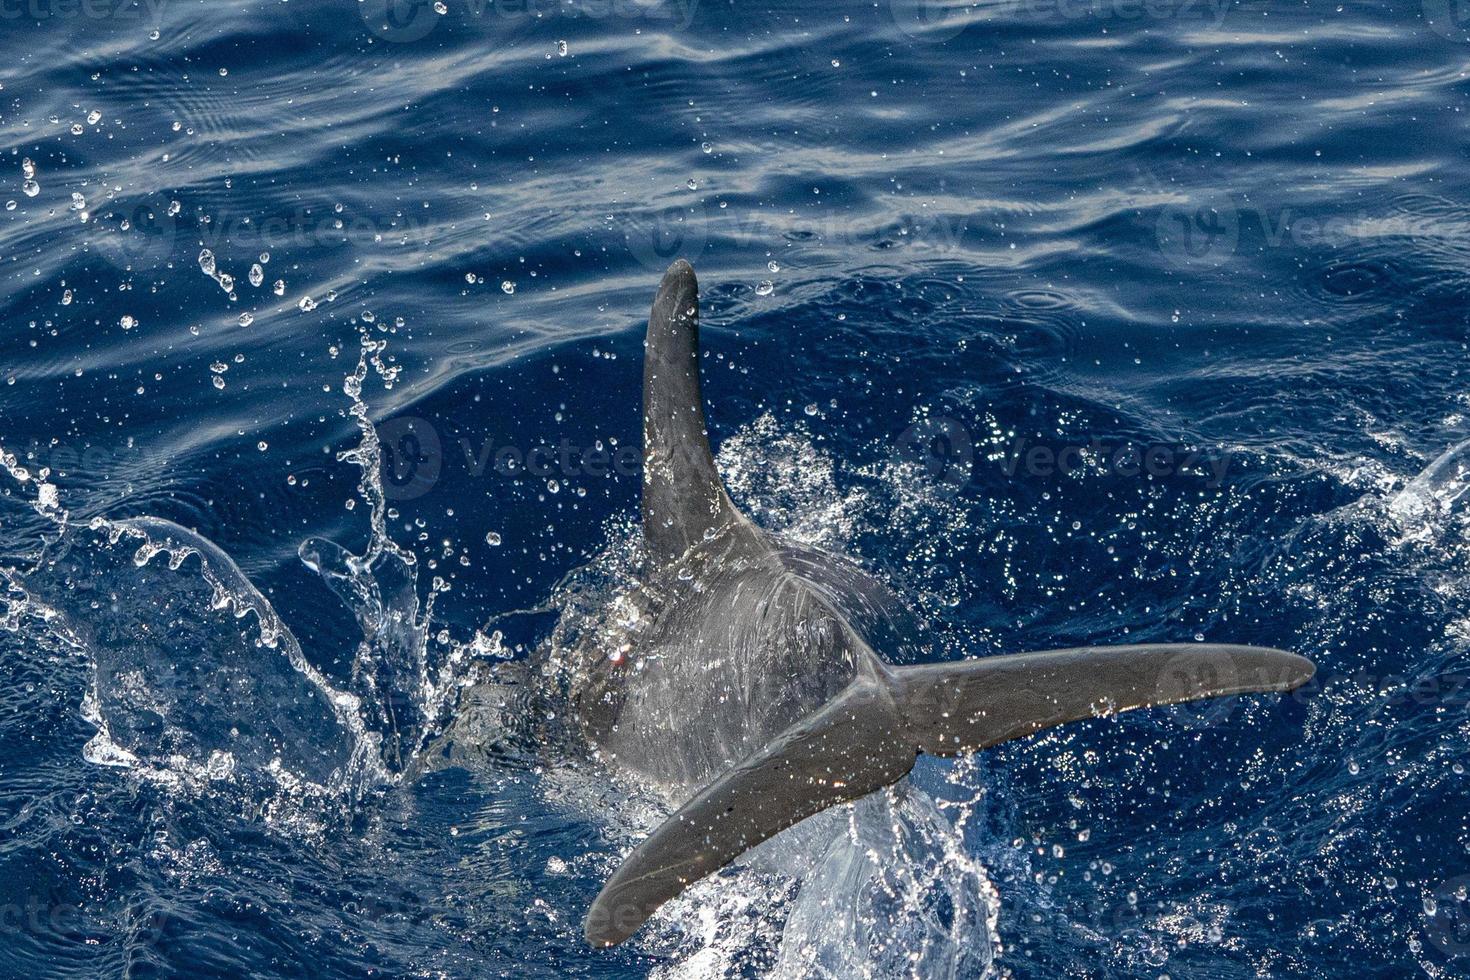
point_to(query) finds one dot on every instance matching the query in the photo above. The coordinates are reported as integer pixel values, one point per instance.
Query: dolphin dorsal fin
(683, 498)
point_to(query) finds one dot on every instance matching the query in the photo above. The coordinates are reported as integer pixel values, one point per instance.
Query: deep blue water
(1230, 238)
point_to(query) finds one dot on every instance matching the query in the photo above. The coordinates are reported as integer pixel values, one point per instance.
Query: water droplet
(257, 276)
(127, 323)
(206, 262)
(94, 117)
(307, 304)
(707, 147)
(773, 265)
(492, 539)
(561, 48)
(765, 288)
(280, 287)
(246, 319)
(31, 188)
(508, 288)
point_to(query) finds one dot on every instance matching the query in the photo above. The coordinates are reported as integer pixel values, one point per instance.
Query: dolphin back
(869, 736)
(864, 731)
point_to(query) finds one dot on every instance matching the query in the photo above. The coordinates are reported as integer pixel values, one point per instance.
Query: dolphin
(748, 682)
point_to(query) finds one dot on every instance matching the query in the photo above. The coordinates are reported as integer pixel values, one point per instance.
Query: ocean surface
(1075, 321)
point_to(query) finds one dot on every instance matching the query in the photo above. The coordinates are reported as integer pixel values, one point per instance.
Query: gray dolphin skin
(750, 687)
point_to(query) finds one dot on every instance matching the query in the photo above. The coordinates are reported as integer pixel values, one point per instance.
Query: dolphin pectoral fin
(869, 736)
(958, 708)
(853, 746)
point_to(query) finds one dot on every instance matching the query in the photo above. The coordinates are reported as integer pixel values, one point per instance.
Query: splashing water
(195, 677)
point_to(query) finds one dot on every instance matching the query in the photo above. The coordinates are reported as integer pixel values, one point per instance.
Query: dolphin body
(750, 685)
